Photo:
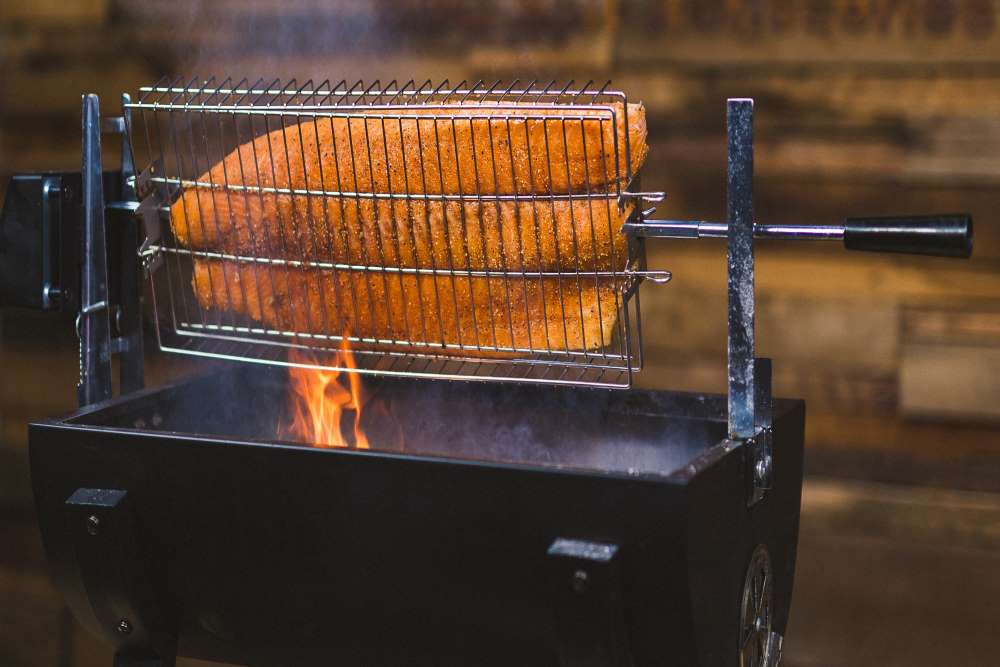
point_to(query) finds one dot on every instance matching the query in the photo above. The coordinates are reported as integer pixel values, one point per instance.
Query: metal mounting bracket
(93, 323)
(759, 447)
(110, 317)
(39, 244)
(750, 412)
(740, 263)
(102, 526)
(589, 610)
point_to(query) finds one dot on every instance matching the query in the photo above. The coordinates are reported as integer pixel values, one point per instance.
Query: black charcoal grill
(518, 523)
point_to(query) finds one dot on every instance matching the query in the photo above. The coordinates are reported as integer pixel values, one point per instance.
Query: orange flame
(319, 399)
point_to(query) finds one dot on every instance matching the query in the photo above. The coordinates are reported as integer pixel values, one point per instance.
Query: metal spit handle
(948, 235)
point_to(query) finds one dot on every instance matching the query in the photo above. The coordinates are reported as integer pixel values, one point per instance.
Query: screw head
(124, 626)
(581, 581)
(763, 469)
(93, 524)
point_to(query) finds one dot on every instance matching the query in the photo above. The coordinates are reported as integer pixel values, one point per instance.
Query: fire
(320, 399)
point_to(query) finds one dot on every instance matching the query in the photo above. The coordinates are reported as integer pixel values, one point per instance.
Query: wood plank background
(867, 107)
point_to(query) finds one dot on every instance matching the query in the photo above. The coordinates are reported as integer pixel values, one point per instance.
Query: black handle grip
(939, 235)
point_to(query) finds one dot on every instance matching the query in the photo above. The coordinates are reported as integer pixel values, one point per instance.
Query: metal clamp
(144, 183)
(149, 251)
(87, 310)
(759, 448)
(761, 466)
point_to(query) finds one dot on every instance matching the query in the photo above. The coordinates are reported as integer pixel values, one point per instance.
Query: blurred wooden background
(863, 107)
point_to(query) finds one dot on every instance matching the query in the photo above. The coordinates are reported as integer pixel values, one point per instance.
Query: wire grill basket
(465, 232)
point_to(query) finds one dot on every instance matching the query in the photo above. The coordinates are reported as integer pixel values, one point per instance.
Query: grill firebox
(446, 552)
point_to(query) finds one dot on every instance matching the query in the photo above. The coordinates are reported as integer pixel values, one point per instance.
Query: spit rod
(941, 235)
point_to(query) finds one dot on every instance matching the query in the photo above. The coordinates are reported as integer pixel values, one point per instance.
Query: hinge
(759, 448)
(761, 464)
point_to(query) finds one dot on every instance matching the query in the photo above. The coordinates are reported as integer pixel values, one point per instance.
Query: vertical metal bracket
(127, 237)
(98, 319)
(102, 526)
(749, 378)
(739, 207)
(589, 609)
(93, 323)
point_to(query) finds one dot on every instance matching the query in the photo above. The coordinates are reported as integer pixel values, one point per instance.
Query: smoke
(261, 38)
(361, 39)
(293, 39)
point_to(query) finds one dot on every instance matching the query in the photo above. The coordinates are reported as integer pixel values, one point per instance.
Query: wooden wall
(863, 107)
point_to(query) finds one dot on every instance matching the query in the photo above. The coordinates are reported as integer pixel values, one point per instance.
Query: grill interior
(487, 307)
(637, 432)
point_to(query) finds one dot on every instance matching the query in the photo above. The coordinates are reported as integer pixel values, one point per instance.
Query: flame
(319, 398)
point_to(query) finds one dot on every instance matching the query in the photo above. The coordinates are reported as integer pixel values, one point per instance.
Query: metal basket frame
(181, 130)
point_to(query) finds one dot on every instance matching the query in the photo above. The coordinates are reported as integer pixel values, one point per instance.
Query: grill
(515, 523)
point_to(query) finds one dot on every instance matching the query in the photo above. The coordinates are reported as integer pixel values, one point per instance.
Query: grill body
(253, 552)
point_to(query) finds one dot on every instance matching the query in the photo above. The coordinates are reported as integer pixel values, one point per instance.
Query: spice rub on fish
(477, 313)
(269, 197)
(423, 194)
(562, 234)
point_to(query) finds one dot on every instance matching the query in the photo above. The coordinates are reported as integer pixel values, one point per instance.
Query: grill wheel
(755, 613)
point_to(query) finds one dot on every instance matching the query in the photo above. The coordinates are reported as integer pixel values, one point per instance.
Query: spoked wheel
(757, 647)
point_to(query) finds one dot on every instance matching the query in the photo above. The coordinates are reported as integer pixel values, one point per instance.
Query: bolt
(93, 524)
(124, 627)
(51, 295)
(763, 469)
(581, 581)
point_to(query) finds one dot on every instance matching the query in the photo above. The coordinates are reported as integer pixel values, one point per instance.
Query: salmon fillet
(579, 234)
(484, 154)
(490, 312)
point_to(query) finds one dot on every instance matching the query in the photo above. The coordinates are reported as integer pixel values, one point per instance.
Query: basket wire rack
(472, 231)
